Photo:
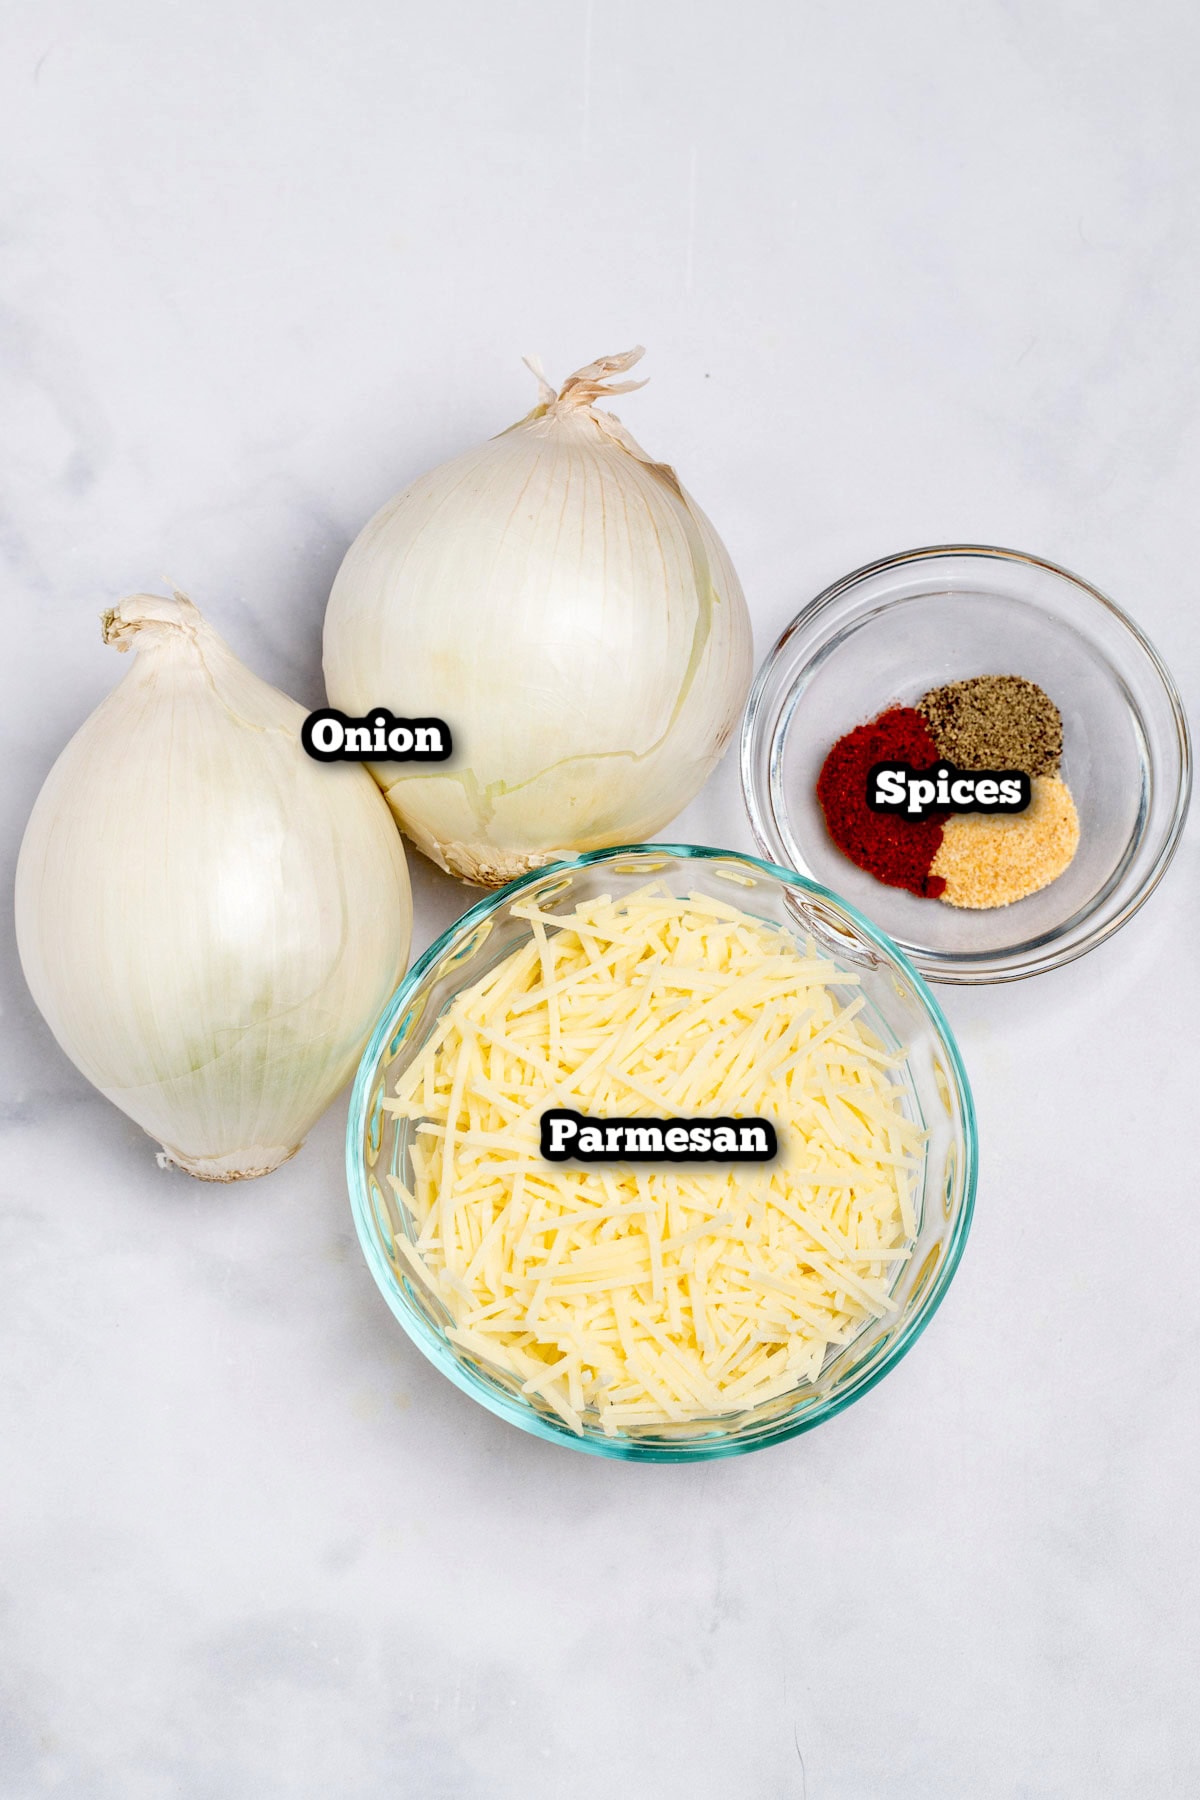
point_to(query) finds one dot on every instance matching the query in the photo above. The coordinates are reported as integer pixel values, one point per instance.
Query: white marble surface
(906, 274)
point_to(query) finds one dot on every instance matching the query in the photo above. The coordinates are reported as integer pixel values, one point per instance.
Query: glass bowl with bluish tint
(899, 1008)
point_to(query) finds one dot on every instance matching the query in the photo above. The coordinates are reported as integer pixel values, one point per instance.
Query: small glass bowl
(884, 636)
(899, 1007)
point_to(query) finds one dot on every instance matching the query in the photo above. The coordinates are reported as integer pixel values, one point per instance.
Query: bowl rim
(433, 1345)
(755, 742)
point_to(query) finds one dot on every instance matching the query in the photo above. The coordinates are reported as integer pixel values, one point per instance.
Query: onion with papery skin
(558, 599)
(209, 921)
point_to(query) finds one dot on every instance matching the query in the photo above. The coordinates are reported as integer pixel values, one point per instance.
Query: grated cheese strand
(636, 1295)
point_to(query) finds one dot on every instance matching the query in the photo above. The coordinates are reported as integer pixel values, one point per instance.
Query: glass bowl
(899, 1007)
(888, 633)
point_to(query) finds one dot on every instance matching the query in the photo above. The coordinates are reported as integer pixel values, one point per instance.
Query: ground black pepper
(995, 722)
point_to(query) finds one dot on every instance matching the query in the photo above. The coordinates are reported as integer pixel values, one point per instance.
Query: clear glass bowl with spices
(977, 658)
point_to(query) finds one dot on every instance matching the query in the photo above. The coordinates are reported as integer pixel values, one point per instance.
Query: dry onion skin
(208, 920)
(557, 597)
(642, 1294)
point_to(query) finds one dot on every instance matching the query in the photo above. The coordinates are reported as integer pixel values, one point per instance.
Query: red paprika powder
(893, 849)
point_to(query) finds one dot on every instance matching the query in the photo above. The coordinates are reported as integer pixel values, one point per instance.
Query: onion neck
(574, 401)
(594, 382)
(152, 619)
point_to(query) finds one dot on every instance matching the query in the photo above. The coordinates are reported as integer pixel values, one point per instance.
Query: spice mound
(995, 722)
(639, 1293)
(969, 859)
(899, 852)
(986, 860)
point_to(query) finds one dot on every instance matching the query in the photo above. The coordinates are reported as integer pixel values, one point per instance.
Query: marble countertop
(906, 275)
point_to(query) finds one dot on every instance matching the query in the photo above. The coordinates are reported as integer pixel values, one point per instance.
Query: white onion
(559, 600)
(209, 921)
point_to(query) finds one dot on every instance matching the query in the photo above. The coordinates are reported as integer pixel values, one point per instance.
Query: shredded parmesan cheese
(634, 1293)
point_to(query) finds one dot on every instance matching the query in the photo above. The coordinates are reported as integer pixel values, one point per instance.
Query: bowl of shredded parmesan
(639, 1300)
